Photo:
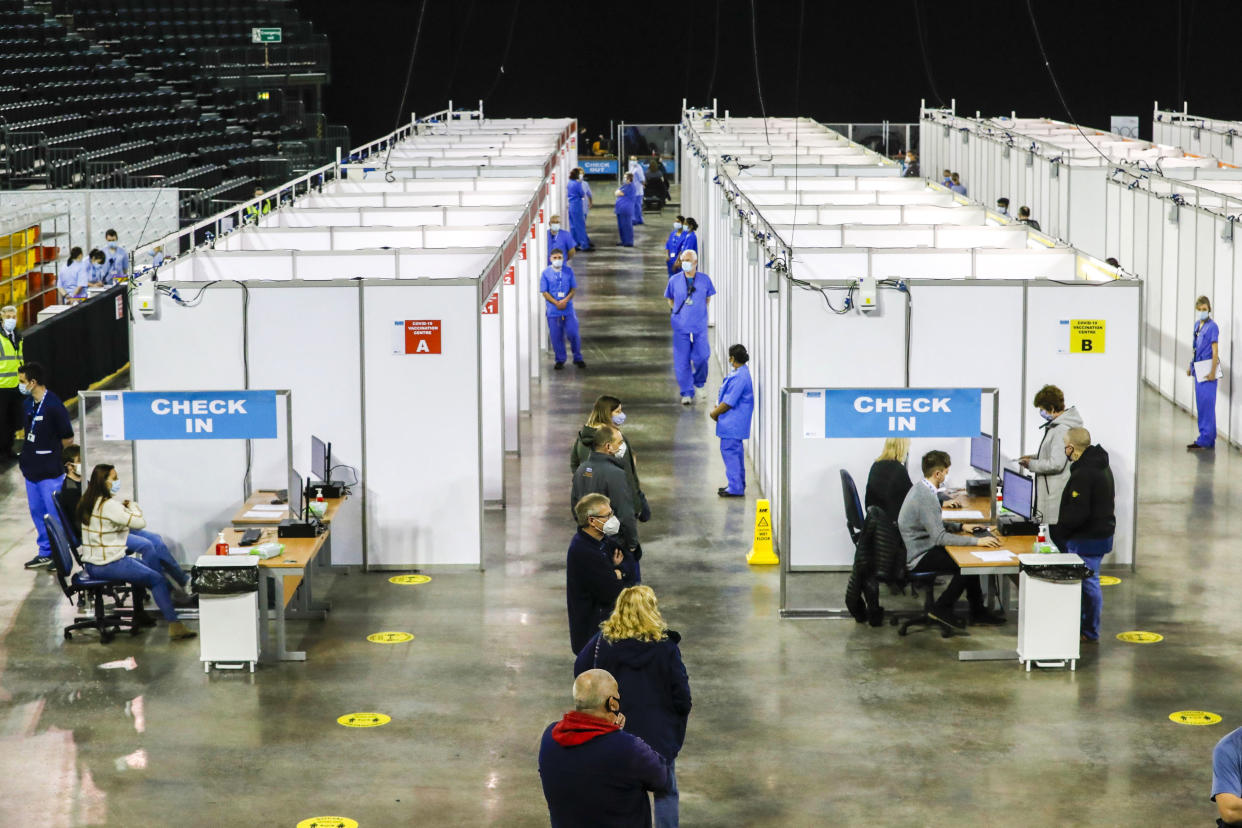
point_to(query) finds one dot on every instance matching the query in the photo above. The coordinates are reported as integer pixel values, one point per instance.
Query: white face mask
(620, 453)
(688, 267)
(556, 263)
(77, 469)
(10, 325)
(677, 225)
(611, 526)
(554, 227)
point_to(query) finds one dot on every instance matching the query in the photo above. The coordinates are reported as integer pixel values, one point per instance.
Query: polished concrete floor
(815, 723)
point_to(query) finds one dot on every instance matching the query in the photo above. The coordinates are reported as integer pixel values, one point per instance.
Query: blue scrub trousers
(735, 464)
(666, 804)
(625, 227)
(1092, 552)
(560, 327)
(151, 549)
(39, 496)
(1205, 403)
(131, 571)
(690, 354)
(577, 225)
(638, 209)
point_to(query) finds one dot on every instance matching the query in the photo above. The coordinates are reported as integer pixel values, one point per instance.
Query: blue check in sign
(901, 412)
(189, 415)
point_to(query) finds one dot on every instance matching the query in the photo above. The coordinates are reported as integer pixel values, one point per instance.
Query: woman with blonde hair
(607, 411)
(642, 653)
(889, 480)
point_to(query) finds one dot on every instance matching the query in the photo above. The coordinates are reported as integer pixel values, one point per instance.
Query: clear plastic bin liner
(232, 580)
(1057, 572)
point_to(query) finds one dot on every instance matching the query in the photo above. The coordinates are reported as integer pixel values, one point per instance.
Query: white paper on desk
(961, 514)
(268, 507)
(1002, 556)
(253, 514)
(1203, 366)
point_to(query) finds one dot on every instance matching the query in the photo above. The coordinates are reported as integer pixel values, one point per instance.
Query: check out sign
(901, 412)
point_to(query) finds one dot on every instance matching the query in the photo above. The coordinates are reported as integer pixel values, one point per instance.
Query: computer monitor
(1019, 493)
(297, 496)
(321, 464)
(981, 453)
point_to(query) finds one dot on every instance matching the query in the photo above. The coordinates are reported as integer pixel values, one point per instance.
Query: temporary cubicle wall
(1197, 135)
(400, 353)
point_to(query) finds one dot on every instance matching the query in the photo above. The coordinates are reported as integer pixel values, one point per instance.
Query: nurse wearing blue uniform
(1207, 336)
(688, 293)
(579, 203)
(557, 286)
(559, 239)
(640, 185)
(625, 211)
(734, 407)
(689, 239)
(672, 247)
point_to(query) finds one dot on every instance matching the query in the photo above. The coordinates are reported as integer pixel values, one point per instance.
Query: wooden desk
(1002, 572)
(263, 497)
(290, 575)
(975, 504)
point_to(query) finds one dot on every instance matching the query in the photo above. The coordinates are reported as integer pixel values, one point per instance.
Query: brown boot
(178, 631)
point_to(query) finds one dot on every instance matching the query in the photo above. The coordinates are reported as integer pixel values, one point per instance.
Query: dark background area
(604, 62)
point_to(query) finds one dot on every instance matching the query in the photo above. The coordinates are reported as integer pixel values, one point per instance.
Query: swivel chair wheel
(945, 632)
(68, 635)
(135, 629)
(894, 621)
(105, 637)
(903, 631)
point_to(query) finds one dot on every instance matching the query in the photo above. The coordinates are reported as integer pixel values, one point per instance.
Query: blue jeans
(561, 328)
(734, 463)
(151, 549)
(131, 571)
(1205, 403)
(1092, 552)
(666, 804)
(39, 495)
(690, 354)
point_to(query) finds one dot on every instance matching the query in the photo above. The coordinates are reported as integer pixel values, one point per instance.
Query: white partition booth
(962, 301)
(403, 324)
(1197, 135)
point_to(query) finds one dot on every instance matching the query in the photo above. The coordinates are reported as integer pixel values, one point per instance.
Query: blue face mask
(1203, 315)
(556, 264)
(25, 392)
(554, 227)
(116, 487)
(677, 225)
(688, 268)
(1047, 417)
(10, 325)
(618, 419)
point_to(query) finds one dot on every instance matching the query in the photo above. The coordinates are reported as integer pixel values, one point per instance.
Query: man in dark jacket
(1087, 521)
(595, 569)
(604, 472)
(593, 772)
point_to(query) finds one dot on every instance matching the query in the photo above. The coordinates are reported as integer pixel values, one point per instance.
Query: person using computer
(888, 482)
(1088, 519)
(925, 537)
(1049, 464)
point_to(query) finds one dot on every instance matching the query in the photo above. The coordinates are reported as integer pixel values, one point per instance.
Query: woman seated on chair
(110, 528)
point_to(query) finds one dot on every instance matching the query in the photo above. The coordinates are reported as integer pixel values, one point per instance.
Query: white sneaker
(701, 394)
(687, 400)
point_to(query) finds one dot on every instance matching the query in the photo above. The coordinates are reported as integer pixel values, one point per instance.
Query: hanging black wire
(711, 81)
(927, 70)
(754, 44)
(504, 57)
(409, 76)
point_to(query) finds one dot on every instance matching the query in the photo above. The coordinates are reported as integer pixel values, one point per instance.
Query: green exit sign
(265, 35)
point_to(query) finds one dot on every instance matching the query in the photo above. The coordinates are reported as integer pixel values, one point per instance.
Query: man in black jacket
(1087, 521)
(595, 569)
(604, 472)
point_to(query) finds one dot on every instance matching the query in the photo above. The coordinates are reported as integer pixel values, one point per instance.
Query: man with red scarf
(593, 772)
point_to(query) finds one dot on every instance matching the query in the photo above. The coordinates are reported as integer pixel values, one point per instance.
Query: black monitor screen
(319, 459)
(981, 453)
(1019, 493)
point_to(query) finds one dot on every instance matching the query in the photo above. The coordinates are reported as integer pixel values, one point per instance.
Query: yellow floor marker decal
(409, 579)
(363, 719)
(1109, 580)
(328, 822)
(1194, 717)
(1140, 637)
(390, 637)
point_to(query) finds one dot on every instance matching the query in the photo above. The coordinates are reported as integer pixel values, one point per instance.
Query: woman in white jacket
(106, 523)
(1051, 466)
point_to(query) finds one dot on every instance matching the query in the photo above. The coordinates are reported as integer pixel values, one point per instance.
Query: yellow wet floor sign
(363, 719)
(328, 822)
(1194, 717)
(1140, 637)
(761, 553)
(390, 637)
(409, 579)
(1109, 580)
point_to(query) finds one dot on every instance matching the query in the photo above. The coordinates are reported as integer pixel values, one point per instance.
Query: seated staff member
(1206, 347)
(71, 489)
(96, 270)
(1227, 778)
(105, 535)
(735, 405)
(925, 538)
(559, 239)
(557, 286)
(1088, 520)
(888, 482)
(1049, 463)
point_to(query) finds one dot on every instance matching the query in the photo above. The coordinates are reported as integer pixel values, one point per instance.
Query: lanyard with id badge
(689, 300)
(35, 418)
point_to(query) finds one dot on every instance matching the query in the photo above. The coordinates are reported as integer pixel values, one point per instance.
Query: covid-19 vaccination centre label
(188, 415)
(891, 412)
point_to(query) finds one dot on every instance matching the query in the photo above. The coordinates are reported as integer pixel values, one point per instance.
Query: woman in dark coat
(642, 653)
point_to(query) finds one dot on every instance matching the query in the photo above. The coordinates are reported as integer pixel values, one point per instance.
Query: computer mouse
(981, 531)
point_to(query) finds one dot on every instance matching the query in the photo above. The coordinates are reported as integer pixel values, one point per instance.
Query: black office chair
(888, 554)
(66, 524)
(853, 506)
(75, 583)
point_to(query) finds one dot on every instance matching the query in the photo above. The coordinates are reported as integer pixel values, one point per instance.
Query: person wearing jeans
(48, 432)
(150, 548)
(1088, 520)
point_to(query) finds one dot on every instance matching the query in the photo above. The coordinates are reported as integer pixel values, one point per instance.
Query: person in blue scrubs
(673, 245)
(557, 286)
(689, 240)
(735, 405)
(640, 185)
(117, 264)
(560, 239)
(72, 281)
(579, 203)
(625, 211)
(1207, 350)
(688, 293)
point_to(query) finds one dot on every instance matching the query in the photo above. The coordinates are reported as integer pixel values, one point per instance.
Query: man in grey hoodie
(604, 472)
(925, 538)
(1051, 467)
